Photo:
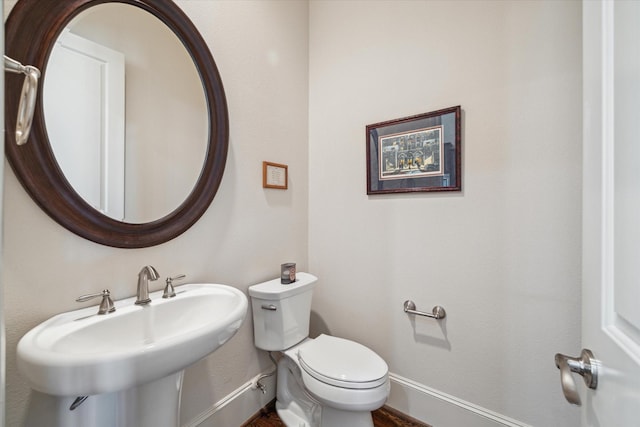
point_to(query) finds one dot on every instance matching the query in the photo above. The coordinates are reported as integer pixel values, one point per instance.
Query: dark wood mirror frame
(30, 33)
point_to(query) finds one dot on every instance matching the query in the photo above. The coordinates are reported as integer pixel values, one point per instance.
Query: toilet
(322, 382)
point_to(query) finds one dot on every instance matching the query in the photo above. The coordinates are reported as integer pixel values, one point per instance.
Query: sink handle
(106, 305)
(169, 292)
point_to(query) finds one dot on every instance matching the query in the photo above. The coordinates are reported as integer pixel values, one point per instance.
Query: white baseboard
(237, 407)
(409, 397)
(440, 409)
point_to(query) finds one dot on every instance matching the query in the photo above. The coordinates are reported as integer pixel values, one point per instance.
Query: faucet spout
(147, 273)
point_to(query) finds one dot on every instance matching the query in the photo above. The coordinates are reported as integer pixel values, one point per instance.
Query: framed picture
(415, 154)
(275, 175)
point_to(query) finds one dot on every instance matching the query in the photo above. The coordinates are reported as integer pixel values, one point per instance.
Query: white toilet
(322, 382)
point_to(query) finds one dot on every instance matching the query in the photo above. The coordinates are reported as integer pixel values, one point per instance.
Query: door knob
(584, 365)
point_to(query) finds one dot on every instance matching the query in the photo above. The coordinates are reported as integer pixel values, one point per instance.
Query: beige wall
(502, 256)
(261, 51)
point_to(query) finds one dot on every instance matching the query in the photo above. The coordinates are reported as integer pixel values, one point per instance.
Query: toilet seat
(342, 363)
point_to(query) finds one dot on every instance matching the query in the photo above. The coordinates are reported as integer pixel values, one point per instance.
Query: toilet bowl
(322, 382)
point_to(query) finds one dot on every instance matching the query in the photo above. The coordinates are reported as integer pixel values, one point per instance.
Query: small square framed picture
(275, 175)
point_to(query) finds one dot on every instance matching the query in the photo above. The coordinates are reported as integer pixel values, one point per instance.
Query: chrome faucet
(147, 273)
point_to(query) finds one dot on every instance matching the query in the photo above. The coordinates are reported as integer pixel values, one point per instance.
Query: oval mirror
(131, 161)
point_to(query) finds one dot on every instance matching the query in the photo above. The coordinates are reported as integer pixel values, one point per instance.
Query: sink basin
(81, 353)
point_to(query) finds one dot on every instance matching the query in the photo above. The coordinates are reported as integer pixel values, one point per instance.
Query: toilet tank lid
(274, 290)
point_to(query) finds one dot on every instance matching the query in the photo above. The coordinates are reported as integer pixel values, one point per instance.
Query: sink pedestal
(155, 404)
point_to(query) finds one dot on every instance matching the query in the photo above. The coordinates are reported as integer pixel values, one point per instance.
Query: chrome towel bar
(436, 313)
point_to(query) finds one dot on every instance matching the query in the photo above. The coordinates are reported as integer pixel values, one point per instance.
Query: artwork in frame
(415, 154)
(275, 175)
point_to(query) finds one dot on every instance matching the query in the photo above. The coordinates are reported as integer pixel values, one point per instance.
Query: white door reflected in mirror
(88, 78)
(165, 128)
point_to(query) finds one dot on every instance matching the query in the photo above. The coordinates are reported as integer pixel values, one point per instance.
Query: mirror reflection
(125, 112)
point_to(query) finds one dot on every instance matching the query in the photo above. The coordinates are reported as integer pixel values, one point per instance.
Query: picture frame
(420, 153)
(275, 175)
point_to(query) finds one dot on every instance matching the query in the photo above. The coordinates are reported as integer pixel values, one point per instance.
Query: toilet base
(293, 405)
(293, 415)
(296, 408)
(331, 417)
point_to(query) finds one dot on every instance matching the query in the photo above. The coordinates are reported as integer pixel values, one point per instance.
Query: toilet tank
(281, 312)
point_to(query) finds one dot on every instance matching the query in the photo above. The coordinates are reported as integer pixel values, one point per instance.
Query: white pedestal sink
(130, 362)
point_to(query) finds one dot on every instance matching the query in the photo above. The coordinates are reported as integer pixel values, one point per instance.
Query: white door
(611, 211)
(84, 107)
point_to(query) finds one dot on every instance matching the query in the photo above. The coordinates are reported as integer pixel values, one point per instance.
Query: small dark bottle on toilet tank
(288, 273)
